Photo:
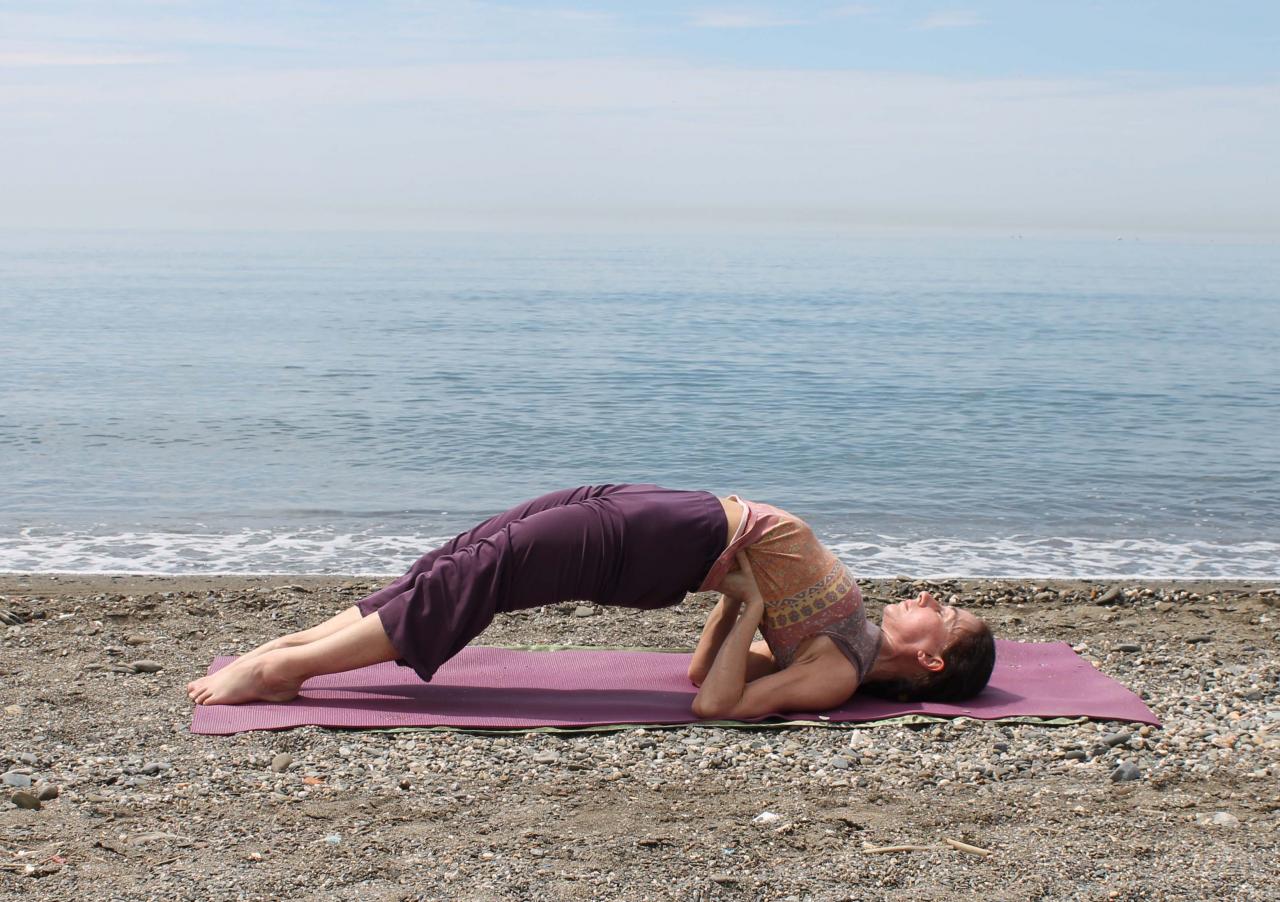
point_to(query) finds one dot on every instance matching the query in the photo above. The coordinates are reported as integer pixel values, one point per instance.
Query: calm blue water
(336, 403)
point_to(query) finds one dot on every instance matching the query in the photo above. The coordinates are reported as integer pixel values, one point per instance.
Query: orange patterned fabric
(807, 590)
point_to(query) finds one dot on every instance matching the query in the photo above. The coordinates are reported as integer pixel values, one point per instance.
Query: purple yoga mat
(502, 688)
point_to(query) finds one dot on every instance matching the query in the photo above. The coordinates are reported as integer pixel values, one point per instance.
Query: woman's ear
(932, 663)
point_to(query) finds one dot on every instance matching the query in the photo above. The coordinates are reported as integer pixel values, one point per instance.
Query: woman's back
(807, 590)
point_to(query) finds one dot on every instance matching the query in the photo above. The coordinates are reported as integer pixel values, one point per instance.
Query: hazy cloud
(18, 59)
(851, 9)
(951, 19)
(752, 19)
(416, 146)
(159, 116)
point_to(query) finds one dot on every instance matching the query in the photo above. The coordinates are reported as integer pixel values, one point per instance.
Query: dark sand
(145, 810)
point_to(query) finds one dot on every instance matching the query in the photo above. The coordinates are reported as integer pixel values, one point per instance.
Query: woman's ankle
(283, 666)
(293, 640)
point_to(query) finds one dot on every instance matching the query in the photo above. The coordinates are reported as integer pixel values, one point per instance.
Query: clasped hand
(739, 584)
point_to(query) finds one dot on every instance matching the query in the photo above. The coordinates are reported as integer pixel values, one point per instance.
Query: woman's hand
(730, 613)
(740, 584)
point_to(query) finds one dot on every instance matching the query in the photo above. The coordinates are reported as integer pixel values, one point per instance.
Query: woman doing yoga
(643, 546)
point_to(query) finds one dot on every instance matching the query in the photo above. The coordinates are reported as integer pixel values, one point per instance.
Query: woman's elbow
(704, 709)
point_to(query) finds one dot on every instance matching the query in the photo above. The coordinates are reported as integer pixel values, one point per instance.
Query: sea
(932, 403)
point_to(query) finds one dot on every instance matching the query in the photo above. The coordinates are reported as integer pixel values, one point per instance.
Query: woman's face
(923, 623)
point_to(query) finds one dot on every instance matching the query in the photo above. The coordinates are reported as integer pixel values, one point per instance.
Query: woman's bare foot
(196, 686)
(277, 675)
(263, 678)
(333, 625)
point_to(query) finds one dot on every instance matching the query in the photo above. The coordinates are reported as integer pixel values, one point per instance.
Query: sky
(1123, 115)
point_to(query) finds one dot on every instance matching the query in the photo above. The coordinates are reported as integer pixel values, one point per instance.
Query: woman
(643, 546)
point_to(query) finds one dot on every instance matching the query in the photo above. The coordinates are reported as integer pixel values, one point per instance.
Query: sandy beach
(135, 807)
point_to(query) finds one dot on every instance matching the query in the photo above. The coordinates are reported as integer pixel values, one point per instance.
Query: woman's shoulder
(777, 517)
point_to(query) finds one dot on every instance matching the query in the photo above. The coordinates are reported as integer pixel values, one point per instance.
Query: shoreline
(141, 808)
(15, 581)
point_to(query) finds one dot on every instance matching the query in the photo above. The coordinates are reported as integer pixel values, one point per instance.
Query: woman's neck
(888, 664)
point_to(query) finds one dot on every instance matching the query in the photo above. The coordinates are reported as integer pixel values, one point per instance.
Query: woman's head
(932, 652)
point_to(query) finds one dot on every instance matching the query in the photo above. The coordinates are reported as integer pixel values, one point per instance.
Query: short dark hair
(967, 665)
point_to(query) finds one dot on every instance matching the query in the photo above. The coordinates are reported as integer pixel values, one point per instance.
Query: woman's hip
(670, 539)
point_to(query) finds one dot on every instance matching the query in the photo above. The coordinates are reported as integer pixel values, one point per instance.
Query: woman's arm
(815, 685)
(736, 587)
(727, 679)
(717, 627)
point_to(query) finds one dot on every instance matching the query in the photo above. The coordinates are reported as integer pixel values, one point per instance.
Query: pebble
(28, 759)
(1125, 773)
(859, 739)
(1111, 740)
(1207, 697)
(25, 800)
(151, 768)
(1111, 595)
(280, 763)
(1128, 647)
(146, 666)
(16, 780)
(584, 610)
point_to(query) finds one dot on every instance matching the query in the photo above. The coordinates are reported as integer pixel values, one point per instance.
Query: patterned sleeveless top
(807, 590)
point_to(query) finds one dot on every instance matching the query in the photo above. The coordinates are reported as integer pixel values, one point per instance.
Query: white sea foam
(314, 550)
(1028, 557)
(326, 550)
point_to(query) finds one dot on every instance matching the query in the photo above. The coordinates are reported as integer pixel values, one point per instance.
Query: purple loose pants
(635, 546)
